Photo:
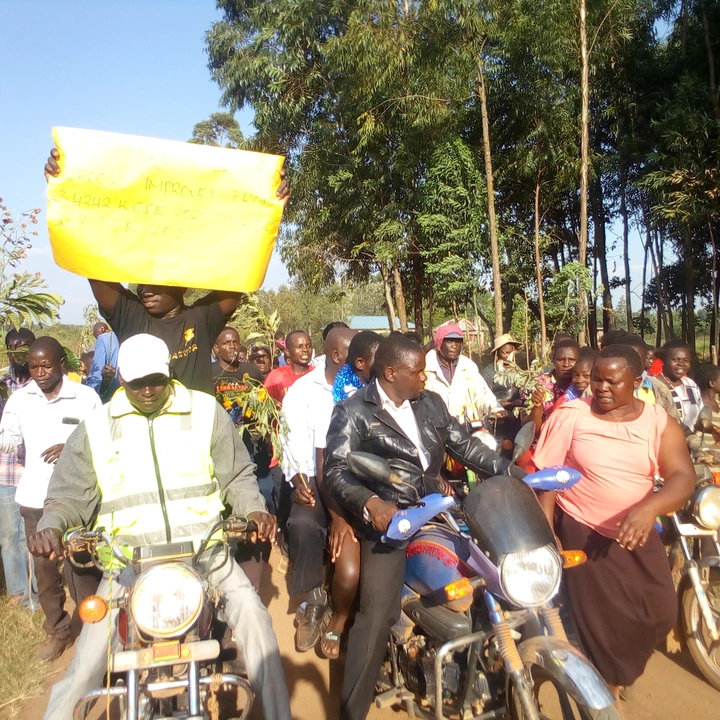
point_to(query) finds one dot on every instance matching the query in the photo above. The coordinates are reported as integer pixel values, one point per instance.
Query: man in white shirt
(42, 415)
(307, 408)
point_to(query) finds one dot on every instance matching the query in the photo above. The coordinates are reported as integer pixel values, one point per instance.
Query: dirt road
(670, 689)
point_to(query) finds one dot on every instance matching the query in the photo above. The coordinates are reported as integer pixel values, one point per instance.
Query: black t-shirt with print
(189, 336)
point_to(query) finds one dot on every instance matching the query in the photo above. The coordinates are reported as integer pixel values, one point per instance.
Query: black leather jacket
(360, 423)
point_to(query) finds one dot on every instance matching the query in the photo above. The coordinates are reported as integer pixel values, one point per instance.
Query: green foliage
(90, 317)
(564, 292)
(22, 300)
(376, 106)
(220, 130)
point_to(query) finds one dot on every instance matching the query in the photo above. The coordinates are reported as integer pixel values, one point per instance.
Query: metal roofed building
(376, 323)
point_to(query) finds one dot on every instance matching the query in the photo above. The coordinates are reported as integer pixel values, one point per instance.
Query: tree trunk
(592, 307)
(714, 99)
(431, 309)
(644, 287)
(538, 271)
(492, 222)
(662, 324)
(399, 297)
(626, 247)
(419, 272)
(389, 302)
(689, 289)
(715, 292)
(600, 240)
(669, 326)
(584, 149)
(509, 311)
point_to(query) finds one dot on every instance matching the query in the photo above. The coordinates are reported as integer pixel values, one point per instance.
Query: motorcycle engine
(417, 665)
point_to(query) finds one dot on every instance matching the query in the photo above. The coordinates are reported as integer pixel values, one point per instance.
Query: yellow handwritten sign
(142, 210)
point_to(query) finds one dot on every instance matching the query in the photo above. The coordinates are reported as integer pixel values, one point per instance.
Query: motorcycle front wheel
(704, 651)
(553, 701)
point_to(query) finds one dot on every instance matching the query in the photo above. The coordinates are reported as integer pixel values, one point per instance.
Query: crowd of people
(146, 416)
(149, 446)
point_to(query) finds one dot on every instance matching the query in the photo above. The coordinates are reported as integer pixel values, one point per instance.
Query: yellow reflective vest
(155, 475)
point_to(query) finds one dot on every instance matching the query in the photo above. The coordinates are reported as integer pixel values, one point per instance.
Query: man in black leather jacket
(393, 418)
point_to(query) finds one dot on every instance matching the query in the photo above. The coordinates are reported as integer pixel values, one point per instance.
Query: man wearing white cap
(158, 464)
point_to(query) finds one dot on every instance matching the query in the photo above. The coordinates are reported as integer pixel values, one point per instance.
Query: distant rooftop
(378, 323)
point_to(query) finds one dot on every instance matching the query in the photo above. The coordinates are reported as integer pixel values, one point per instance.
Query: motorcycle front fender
(572, 671)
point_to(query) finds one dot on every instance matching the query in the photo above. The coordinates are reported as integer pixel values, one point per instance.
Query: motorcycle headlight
(166, 600)
(532, 577)
(706, 507)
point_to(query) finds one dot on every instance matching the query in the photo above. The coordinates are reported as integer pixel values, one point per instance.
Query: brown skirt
(622, 602)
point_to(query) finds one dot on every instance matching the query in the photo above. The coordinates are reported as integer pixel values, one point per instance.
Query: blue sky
(136, 67)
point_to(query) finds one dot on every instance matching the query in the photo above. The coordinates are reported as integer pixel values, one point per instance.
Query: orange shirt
(618, 461)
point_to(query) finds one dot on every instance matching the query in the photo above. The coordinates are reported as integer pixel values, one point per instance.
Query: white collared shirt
(30, 418)
(306, 411)
(406, 421)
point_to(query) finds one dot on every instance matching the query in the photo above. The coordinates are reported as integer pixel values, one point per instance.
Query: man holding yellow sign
(168, 216)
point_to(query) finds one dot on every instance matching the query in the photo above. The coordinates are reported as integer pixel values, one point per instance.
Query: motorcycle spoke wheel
(705, 652)
(554, 703)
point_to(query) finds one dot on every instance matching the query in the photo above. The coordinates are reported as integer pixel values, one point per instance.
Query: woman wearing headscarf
(622, 599)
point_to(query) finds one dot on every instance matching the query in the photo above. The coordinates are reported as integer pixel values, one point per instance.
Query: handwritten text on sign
(142, 210)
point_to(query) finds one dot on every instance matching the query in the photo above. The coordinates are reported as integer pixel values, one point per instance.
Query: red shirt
(656, 368)
(279, 381)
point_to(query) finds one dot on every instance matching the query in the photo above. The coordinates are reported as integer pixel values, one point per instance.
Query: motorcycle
(691, 537)
(479, 578)
(169, 661)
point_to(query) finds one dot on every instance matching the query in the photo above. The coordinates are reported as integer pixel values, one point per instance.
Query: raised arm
(106, 294)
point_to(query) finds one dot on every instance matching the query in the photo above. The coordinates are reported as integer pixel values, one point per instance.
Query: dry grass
(21, 675)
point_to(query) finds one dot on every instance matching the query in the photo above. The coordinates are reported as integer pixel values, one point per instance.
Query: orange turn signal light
(93, 609)
(573, 558)
(459, 589)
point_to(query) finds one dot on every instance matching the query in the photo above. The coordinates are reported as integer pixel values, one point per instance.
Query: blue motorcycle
(479, 636)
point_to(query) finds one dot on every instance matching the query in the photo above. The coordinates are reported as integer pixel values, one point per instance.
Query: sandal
(332, 637)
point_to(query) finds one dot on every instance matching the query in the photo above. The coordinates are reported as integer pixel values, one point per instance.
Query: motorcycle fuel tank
(436, 557)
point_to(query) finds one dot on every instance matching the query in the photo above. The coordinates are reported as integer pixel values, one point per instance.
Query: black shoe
(310, 627)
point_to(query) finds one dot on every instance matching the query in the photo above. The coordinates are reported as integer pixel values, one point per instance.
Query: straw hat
(505, 339)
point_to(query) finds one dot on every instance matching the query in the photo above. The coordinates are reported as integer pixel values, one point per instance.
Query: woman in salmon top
(622, 599)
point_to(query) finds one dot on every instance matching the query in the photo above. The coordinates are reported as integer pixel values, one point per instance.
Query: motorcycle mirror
(371, 467)
(705, 419)
(523, 441)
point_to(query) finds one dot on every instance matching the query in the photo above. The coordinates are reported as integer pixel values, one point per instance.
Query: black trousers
(307, 534)
(82, 582)
(382, 574)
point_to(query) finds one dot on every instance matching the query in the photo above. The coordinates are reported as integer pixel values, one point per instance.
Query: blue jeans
(12, 542)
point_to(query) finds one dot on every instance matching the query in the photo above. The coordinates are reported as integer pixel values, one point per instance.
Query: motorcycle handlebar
(83, 540)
